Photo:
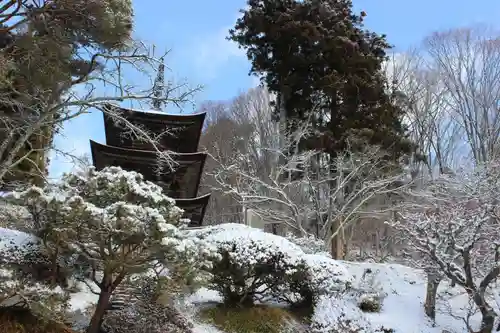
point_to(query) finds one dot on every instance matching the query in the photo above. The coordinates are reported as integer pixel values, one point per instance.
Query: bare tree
(467, 62)
(87, 94)
(298, 194)
(220, 138)
(453, 231)
(235, 128)
(419, 89)
(253, 111)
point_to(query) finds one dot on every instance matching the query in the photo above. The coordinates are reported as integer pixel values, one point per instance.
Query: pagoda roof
(194, 209)
(182, 182)
(177, 132)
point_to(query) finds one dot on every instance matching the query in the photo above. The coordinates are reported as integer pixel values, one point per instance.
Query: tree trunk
(377, 243)
(274, 228)
(337, 244)
(55, 268)
(433, 281)
(102, 305)
(487, 313)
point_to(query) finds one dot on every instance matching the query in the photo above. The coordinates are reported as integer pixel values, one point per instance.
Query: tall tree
(468, 63)
(325, 68)
(48, 47)
(420, 91)
(315, 55)
(240, 127)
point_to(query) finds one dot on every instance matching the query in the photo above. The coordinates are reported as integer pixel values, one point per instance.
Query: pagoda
(178, 134)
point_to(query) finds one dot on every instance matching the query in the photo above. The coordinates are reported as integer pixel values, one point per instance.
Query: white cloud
(212, 51)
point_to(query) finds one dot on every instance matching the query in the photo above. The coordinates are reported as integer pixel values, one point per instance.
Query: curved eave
(146, 154)
(158, 114)
(189, 205)
(136, 160)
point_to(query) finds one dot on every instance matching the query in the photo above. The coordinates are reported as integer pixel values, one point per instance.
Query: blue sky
(195, 31)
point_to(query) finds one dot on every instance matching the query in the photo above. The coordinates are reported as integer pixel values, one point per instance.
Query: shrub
(16, 320)
(253, 265)
(29, 278)
(370, 303)
(368, 292)
(250, 271)
(317, 276)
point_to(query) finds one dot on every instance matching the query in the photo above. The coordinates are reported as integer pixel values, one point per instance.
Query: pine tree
(46, 47)
(321, 62)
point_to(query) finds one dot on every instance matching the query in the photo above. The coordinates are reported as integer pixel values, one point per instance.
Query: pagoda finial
(159, 86)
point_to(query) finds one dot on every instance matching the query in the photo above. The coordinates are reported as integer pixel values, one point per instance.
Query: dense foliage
(114, 224)
(47, 47)
(254, 266)
(316, 56)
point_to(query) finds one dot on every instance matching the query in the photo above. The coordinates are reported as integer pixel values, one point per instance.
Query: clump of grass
(256, 319)
(23, 321)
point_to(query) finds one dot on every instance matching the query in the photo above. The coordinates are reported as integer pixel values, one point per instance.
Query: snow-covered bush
(28, 278)
(251, 263)
(319, 276)
(326, 276)
(368, 292)
(113, 222)
(25, 254)
(254, 266)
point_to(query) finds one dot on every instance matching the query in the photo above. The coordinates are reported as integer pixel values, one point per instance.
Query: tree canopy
(324, 66)
(46, 48)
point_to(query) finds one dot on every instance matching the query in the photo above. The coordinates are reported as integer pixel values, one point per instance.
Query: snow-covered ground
(402, 308)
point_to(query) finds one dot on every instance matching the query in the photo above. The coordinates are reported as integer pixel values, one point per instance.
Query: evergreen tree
(46, 48)
(323, 65)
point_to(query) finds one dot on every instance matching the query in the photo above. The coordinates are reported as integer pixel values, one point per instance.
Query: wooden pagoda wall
(178, 134)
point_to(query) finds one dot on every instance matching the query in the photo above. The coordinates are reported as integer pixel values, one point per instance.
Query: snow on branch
(453, 230)
(112, 224)
(38, 114)
(306, 187)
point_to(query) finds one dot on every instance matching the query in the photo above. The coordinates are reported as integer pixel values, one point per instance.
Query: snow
(10, 239)
(327, 275)
(403, 287)
(329, 310)
(82, 299)
(204, 295)
(153, 111)
(253, 243)
(205, 328)
(402, 309)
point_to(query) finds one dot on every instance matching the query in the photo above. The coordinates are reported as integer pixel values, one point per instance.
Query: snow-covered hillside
(403, 289)
(402, 309)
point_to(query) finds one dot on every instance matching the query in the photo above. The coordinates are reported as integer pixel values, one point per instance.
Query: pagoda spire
(159, 86)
